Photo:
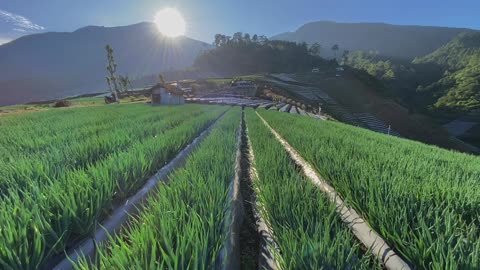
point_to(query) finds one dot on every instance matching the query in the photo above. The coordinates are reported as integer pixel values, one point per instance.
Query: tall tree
(345, 56)
(112, 68)
(315, 49)
(335, 48)
(255, 38)
(237, 37)
(262, 39)
(246, 38)
(218, 40)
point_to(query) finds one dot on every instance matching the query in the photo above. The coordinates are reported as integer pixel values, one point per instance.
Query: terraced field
(65, 173)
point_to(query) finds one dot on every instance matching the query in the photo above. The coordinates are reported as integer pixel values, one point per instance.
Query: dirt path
(263, 247)
(249, 234)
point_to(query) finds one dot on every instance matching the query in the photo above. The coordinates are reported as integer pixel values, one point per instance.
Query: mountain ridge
(396, 41)
(57, 64)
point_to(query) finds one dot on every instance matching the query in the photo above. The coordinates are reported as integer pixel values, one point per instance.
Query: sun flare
(170, 22)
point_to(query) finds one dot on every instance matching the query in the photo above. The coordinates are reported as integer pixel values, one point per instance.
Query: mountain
(395, 41)
(53, 65)
(459, 88)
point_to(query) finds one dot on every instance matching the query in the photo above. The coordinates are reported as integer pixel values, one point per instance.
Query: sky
(205, 18)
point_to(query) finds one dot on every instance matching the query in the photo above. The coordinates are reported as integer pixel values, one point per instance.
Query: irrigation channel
(122, 215)
(369, 238)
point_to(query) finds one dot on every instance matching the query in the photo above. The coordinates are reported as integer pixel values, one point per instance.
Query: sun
(170, 22)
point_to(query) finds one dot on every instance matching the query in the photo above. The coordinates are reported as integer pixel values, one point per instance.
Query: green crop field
(183, 225)
(307, 229)
(422, 199)
(63, 172)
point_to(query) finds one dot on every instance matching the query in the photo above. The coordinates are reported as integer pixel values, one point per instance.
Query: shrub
(62, 103)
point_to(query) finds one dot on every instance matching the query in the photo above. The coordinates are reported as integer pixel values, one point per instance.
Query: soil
(249, 235)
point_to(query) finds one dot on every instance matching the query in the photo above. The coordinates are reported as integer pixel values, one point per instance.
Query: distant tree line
(245, 53)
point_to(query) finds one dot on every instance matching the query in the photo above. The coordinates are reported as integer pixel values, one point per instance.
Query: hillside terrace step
(302, 112)
(285, 108)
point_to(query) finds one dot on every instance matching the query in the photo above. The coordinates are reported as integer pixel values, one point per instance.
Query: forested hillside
(459, 88)
(446, 80)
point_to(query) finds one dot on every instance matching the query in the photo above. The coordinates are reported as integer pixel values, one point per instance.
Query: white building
(167, 96)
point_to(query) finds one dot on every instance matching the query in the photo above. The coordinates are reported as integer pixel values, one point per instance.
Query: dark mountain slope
(52, 65)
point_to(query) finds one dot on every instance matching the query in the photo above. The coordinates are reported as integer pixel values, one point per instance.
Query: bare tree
(112, 68)
(124, 81)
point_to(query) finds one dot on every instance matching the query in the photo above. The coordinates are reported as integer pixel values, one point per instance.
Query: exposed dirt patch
(249, 235)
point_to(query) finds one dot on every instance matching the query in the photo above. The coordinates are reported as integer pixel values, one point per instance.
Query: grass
(76, 102)
(306, 227)
(62, 171)
(423, 200)
(183, 224)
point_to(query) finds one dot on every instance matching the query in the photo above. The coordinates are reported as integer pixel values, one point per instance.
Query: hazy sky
(207, 17)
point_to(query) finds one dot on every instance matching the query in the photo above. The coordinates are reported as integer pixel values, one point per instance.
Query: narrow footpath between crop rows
(262, 243)
(368, 237)
(123, 214)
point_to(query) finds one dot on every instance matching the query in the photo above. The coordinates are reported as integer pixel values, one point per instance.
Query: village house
(167, 95)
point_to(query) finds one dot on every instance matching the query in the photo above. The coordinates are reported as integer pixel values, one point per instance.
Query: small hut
(167, 95)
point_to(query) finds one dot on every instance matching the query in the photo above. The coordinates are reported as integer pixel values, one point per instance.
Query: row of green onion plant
(308, 231)
(42, 218)
(182, 224)
(422, 199)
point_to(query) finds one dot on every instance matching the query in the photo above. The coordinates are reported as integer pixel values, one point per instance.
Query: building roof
(169, 88)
